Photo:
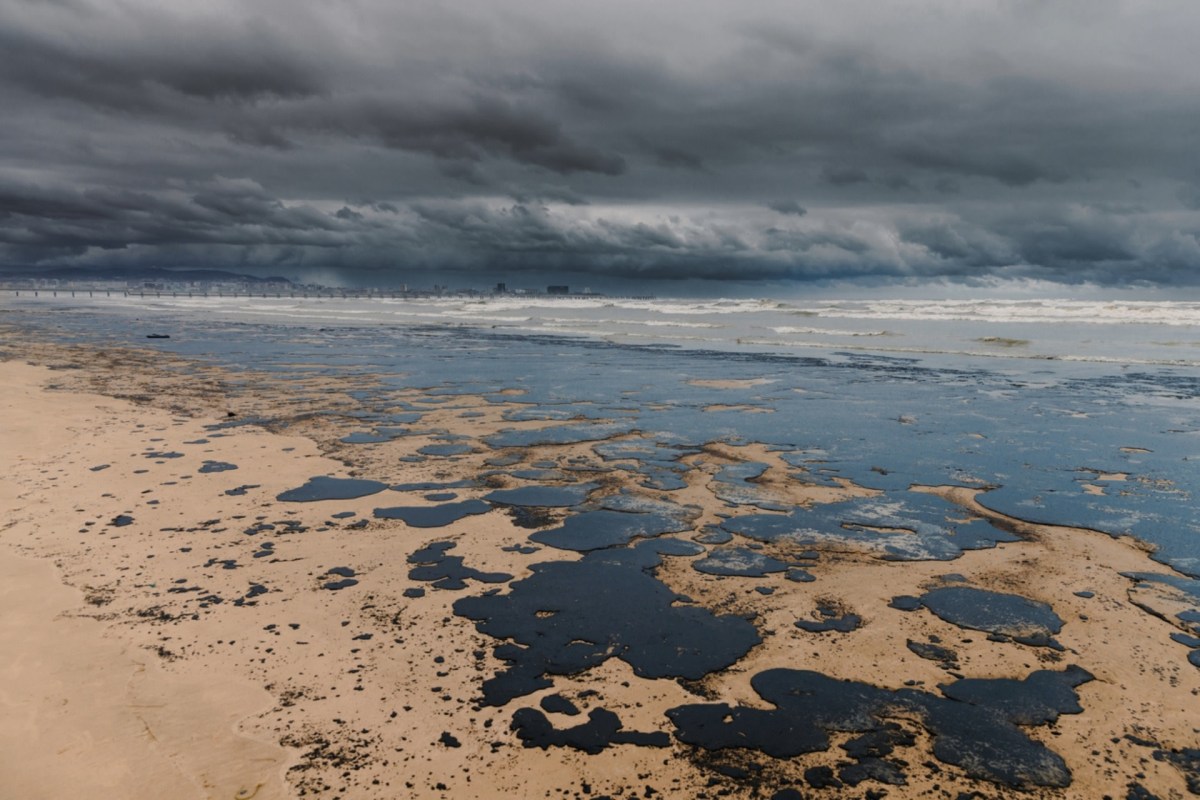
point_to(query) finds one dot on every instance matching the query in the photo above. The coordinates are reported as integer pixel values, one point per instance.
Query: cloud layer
(798, 140)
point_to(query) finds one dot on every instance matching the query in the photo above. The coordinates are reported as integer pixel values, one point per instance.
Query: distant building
(558, 290)
(501, 288)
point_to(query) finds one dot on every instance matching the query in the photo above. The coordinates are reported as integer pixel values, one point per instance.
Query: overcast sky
(742, 141)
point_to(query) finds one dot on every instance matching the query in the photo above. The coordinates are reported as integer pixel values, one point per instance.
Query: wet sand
(154, 645)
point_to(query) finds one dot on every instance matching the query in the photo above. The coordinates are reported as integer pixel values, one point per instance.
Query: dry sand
(120, 680)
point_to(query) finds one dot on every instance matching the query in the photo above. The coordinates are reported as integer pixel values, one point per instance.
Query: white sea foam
(1158, 312)
(484, 317)
(650, 323)
(791, 330)
(597, 333)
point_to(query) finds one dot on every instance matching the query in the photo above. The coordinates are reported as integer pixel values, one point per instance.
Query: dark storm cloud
(220, 212)
(1011, 139)
(547, 193)
(1010, 169)
(471, 130)
(843, 176)
(674, 157)
(788, 207)
(237, 64)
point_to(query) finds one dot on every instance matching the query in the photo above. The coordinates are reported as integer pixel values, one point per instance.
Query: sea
(1153, 332)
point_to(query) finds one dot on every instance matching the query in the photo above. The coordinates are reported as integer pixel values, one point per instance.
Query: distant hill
(134, 274)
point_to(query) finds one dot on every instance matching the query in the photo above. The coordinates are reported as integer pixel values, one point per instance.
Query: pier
(323, 293)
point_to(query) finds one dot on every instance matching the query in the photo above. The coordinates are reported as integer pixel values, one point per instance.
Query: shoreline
(340, 680)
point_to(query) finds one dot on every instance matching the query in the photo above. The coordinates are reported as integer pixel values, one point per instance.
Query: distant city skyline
(707, 146)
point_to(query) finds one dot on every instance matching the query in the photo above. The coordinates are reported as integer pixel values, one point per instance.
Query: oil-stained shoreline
(337, 685)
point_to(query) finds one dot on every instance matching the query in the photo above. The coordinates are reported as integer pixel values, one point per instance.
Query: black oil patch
(832, 617)
(327, 488)
(981, 735)
(602, 729)
(347, 579)
(542, 496)
(445, 449)
(739, 561)
(448, 572)
(932, 651)
(570, 616)
(1006, 615)
(433, 516)
(557, 704)
(595, 530)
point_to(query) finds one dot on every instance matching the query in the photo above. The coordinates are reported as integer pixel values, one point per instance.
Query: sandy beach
(171, 628)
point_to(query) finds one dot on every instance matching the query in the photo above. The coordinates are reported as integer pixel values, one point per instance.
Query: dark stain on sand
(326, 488)
(975, 724)
(446, 571)
(569, 616)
